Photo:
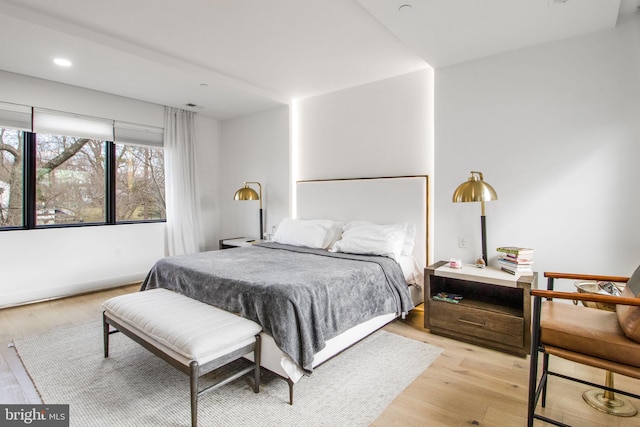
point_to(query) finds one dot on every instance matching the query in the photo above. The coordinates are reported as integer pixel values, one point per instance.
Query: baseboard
(38, 295)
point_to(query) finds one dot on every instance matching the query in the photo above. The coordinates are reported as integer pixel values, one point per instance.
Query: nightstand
(237, 242)
(495, 309)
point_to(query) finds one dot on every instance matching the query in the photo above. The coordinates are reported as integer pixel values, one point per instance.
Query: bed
(312, 302)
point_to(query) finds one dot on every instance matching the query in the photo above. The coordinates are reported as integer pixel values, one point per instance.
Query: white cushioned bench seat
(192, 336)
(183, 327)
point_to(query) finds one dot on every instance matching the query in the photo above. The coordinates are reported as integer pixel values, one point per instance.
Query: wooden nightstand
(237, 242)
(495, 310)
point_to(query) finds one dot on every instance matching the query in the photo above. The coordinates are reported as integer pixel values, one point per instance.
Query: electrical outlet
(462, 242)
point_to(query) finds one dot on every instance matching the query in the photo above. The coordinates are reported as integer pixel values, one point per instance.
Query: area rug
(134, 388)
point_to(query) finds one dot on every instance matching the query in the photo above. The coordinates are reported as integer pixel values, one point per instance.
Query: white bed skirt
(273, 359)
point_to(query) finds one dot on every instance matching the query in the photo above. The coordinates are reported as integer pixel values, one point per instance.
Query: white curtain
(184, 234)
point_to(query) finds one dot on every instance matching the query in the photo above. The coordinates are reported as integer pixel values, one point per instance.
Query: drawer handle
(470, 322)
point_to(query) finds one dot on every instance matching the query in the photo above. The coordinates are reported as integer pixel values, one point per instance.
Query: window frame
(29, 191)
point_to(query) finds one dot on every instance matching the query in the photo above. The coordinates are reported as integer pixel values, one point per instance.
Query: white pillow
(333, 234)
(359, 237)
(409, 240)
(411, 270)
(315, 233)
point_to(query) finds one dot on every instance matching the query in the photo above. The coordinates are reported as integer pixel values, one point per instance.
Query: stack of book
(448, 297)
(515, 260)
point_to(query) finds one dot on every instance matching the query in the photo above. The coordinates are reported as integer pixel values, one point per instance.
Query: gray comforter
(301, 297)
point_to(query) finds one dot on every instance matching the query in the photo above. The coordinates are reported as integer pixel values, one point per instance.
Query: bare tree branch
(65, 155)
(10, 149)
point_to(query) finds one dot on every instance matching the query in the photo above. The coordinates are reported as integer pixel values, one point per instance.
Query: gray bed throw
(302, 297)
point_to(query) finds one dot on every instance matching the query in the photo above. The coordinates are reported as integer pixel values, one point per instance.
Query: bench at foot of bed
(193, 337)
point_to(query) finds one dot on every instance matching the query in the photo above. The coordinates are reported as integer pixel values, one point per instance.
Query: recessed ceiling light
(204, 85)
(405, 8)
(62, 62)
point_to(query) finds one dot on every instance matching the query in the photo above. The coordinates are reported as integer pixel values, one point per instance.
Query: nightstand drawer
(492, 326)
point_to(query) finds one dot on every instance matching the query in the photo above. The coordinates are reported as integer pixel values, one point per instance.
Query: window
(139, 183)
(14, 121)
(11, 181)
(77, 170)
(70, 180)
(139, 164)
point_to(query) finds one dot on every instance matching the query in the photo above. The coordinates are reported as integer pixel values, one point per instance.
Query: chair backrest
(629, 316)
(634, 283)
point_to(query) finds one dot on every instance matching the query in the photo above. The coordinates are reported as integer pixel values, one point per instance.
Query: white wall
(255, 148)
(39, 264)
(556, 131)
(383, 128)
(378, 129)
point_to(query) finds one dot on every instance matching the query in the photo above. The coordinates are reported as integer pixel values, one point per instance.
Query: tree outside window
(139, 183)
(11, 181)
(70, 180)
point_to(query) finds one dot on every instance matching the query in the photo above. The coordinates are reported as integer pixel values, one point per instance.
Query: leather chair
(602, 339)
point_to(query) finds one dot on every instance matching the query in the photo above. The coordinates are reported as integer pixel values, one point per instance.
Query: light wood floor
(466, 386)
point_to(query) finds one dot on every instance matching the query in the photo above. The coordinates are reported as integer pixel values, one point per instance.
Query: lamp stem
(261, 226)
(483, 224)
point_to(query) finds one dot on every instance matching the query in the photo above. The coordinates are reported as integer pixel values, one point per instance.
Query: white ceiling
(446, 32)
(257, 54)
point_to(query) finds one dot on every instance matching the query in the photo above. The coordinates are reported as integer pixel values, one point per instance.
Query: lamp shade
(246, 193)
(475, 189)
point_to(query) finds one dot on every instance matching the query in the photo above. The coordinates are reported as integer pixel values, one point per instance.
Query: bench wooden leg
(195, 374)
(290, 382)
(105, 332)
(256, 359)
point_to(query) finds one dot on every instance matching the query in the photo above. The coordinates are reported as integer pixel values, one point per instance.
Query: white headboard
(378, 200)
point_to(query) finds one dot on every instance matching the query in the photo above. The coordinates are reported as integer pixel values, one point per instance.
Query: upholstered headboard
(378, 200)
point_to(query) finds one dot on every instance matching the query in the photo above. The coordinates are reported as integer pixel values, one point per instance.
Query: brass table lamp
(475, 189)
(248, 193)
